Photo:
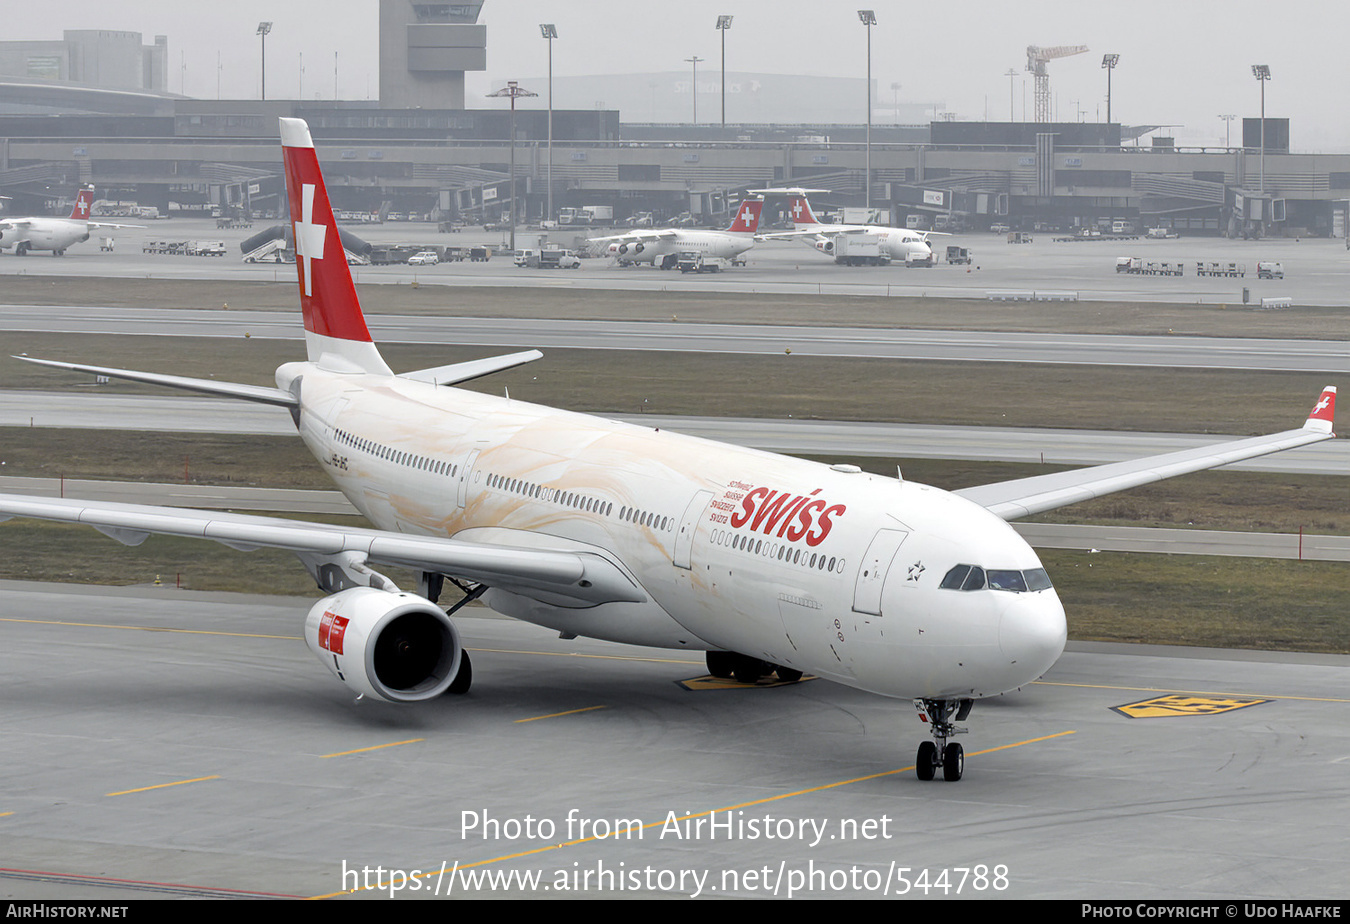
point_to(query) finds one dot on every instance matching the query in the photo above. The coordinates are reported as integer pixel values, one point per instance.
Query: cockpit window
(1007, 580)
(974, 580)
(973, 577)
(1037, 579)
(954, 577)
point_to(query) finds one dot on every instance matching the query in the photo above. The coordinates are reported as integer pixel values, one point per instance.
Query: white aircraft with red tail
(903, 245)
(614, 531)
(662, 247)
(54, 234)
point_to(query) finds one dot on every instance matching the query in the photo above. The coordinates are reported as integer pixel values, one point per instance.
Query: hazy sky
(1182, 62)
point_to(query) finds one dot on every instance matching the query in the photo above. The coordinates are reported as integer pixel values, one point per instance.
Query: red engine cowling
(396, 647)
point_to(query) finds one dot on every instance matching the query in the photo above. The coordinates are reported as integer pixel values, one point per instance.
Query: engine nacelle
(639, 247)
(622, 249)
(825, 246)
(395, 647)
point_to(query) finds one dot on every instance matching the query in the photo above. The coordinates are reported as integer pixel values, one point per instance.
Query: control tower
(425, 48)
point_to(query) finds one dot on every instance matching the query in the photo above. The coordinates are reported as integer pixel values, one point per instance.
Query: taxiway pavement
(167, 743)
(1248, 354)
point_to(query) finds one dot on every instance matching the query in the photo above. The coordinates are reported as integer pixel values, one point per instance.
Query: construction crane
(1036, 58)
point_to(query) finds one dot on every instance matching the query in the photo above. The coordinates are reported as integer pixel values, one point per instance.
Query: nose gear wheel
(942, 716)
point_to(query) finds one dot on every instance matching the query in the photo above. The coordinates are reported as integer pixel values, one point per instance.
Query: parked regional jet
(661, 247)
(903, 244)
(614, 531)
(54, 234)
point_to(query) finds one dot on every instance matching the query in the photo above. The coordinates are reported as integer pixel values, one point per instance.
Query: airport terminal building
(140, 145)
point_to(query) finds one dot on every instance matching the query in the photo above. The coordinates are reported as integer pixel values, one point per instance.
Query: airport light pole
(549, 31)
(868, 19)
(694, 61)
(723, 24)
(1228, 129)
(1262, 73)
(514, 91)
(1012, 117)
(1109, 62)
(263, 29)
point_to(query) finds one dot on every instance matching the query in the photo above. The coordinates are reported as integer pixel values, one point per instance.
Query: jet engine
(825, 246)
(395, 647)
(639, 247)
(622, 249)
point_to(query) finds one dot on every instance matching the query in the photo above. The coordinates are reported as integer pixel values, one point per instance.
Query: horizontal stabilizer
(455, 373)
(259, 393)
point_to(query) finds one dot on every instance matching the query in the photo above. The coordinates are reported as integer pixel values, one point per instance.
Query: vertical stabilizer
(84, 202)
(747, 217)
(802, 216)
(335, 330)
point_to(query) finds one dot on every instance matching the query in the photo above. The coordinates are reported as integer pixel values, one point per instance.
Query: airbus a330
(603, 529)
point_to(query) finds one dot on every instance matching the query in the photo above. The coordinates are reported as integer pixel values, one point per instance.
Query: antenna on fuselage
(899, 474)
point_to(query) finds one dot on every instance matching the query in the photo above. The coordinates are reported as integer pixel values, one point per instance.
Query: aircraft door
(684, 539)
(873, 569)
(462, 495)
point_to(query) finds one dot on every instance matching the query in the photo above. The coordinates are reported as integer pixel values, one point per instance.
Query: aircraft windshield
(973, 577)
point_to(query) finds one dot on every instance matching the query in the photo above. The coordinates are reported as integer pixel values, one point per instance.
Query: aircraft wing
(564, 577)
(658, 234)
(1025, 496)
(785, 235)
(95, 225)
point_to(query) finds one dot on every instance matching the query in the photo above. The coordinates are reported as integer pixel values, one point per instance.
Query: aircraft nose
(1032, 632)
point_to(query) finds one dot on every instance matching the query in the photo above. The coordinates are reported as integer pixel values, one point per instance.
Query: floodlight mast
(868, 19)
(723, 24)
(514, 91)
(694, 61)
(549, 31)
(1262, 73)
(263, 29)
(1109, 62)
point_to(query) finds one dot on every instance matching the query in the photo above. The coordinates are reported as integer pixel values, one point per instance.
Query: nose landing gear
(942, 715)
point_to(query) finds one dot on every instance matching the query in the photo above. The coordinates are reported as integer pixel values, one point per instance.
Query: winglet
(335, 330)
(1324, 411)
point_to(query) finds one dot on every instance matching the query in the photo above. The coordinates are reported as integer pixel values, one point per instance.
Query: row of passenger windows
(777, 551)
(578, 501)
(973, 577)
(397, 456)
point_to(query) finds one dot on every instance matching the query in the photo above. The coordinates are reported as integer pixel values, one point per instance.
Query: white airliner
(903, 244)
(614, 531)
(54, 234)
(661, 247)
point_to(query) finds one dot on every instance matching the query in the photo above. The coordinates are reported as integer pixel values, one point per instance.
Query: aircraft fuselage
(831, 571)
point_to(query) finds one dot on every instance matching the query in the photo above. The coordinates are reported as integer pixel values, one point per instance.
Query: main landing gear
(942, 715)
(745, 669)
(430, 584)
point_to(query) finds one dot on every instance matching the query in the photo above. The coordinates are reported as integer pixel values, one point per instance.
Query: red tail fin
(84, 201)
(747, 217)
(335, 329)
(801, 213)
